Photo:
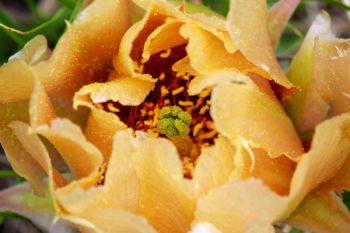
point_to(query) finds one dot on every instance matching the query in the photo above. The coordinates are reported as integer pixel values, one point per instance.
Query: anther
(185, 103)
(165, 54)
(177, 91)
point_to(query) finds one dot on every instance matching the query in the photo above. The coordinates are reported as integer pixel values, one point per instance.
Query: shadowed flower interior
(170, 89)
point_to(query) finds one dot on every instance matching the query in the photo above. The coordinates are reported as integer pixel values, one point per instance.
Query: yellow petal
(100, 129)
(21, 161)
(165, 197)
(247, 32)
(17, 81)
(81, 156)
(33, 52)
(125, 90)
(36, 152)
(208, 54)
(278, 17)
(329, 150)
(275, 173)
(164, 37)
(331, 61)
(214, 166)
(234, 206)
(320, 214)
(307, 108)
(111, 221)
(240, 109)
(41, 110)
(82, 55)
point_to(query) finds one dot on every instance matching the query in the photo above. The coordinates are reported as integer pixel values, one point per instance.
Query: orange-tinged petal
(41, 110)
(81, 156)
(82, 55)
(213, 167)
(275, 173)
(37, 151)
(164, 37)
(247, 32)
(165, 197)
(235, 206)
(329, 150)
(318, 213)
(125, 90)
(341, 181)
(278, 18)
(240, 109)
(17, 81)
(208, 54)
(111, 221)
(33, 52)
(331, 74)
(306, 107)
(100, 129)
(21, 161)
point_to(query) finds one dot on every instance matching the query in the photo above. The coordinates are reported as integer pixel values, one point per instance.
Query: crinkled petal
(125, 90)
(164, 37)
(213, 167)
(39, 210)
(307, 108)
(331, 73)
(247, 32)
(82, 55)
(208, 54)
(240, 109)
(278, 18)
(80, 155)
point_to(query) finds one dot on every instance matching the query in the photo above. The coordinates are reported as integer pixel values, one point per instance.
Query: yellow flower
(240, 168)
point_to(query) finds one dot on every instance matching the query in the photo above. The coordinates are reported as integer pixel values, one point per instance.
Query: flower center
(171, 90)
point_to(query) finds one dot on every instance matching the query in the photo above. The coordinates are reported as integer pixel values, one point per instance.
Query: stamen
(111, 108)
(185, 103)
(161, 76)
(205, 93)
(177, 91)
(164, 91)
(166, 102)
(165, 54)
(211, 134)
(196, 129)
(138, 67)
(203, 109)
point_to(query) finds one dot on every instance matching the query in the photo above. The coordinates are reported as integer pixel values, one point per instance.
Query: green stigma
(174, 122)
